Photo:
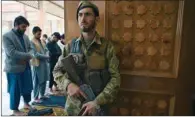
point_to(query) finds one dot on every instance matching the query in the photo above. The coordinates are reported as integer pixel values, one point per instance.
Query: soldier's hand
(75, 91)
(90, 108)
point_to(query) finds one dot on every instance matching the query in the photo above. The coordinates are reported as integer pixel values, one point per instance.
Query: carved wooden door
(147, 39)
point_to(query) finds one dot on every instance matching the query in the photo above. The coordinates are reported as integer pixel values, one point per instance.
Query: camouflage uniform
(108, 94)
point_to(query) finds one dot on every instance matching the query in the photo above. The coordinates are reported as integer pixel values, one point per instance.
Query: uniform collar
(96, 39)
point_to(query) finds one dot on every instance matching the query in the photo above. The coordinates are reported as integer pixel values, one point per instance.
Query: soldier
(101, 73)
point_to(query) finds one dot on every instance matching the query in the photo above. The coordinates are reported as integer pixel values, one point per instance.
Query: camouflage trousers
(72, 106)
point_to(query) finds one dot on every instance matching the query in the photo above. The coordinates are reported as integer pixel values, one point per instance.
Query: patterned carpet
(52, 101)
(56, 111)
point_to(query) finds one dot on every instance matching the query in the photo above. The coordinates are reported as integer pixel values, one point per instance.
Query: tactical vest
(95, 73)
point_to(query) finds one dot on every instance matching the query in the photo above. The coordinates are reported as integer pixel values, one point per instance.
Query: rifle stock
(69, 66)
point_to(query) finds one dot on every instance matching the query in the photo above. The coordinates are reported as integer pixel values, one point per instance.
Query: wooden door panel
(147, 39)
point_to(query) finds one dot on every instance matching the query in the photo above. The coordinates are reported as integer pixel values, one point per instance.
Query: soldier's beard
(90, 28)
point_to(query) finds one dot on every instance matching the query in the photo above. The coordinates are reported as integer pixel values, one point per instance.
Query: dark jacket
(54, 52)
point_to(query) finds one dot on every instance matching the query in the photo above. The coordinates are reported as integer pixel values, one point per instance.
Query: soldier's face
(87, 19)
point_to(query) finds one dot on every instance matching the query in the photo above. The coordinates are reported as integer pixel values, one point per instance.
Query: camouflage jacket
(109, 92)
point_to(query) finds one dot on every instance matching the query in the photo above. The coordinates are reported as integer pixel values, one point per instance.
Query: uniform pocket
(96, 62)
